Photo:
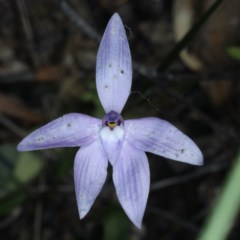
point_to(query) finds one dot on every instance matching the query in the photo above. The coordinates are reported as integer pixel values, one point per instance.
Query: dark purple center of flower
(112, 119)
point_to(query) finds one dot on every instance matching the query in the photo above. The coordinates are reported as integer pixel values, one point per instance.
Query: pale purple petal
(114, 67)
(90, 172)
(112, 140)
(162, 138)
(131, 178)
(70, 130)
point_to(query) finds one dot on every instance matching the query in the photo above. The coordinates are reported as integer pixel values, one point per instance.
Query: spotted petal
(162, 138)
(114, 67)
(132, 179)
(70, 130)
(90, 172)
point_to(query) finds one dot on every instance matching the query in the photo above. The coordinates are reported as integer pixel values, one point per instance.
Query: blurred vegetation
(186, 70)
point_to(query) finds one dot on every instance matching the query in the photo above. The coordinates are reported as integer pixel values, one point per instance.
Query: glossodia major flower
(121, 142)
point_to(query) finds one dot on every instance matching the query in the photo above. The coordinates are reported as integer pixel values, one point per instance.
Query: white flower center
(112, 140)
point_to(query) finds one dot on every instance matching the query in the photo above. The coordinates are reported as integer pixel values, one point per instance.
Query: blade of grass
(188, 37)
(226, 208)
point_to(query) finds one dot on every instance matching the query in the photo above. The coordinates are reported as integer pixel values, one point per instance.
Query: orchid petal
(114, 67)
(131, 178)
(162, 138)
(112, 140)
(90, 172)
(70, 130)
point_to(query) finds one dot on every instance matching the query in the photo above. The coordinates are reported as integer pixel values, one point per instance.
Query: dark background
(47, 68)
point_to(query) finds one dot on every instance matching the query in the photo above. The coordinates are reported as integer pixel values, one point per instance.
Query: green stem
(188, 37)
(226, 208)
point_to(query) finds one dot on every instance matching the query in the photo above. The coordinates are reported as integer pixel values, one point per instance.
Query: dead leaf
(51, 73)
(13, 107)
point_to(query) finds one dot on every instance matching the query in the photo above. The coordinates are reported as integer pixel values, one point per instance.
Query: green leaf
(116, 225)
(17, 169)
(225, 209)
(234, 52)
(28, 166)
(10, 202)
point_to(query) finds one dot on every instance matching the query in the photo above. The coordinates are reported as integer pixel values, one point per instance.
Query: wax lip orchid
(122, 143)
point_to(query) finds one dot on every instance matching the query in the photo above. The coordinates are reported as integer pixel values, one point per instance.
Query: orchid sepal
(114, 67)
(70, 130)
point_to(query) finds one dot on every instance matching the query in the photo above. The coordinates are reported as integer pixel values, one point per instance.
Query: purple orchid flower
(122, 143)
